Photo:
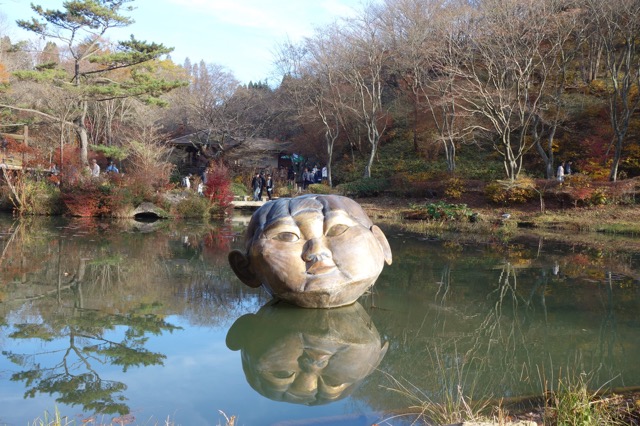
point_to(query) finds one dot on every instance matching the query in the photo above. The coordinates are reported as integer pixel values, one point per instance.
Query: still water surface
(140, 322)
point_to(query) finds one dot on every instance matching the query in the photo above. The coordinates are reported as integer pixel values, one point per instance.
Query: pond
(140, 322)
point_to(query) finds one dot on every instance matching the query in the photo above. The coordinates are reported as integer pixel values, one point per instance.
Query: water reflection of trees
(103, 288)
(182, 265)
(73, 372)
(499, 322)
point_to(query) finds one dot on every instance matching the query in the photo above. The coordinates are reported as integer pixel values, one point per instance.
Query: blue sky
(238, 34)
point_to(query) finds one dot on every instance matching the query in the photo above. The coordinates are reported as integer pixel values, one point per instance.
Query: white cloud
(277, 17)
(340, 8)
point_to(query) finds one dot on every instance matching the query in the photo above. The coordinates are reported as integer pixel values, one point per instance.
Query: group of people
(259, 183)
(186, 182)
(564, 169)
(315, 175)
(94, 168)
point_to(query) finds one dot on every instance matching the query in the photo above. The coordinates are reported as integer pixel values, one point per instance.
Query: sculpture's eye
(287, 237)
(336, 230)
(283, 374)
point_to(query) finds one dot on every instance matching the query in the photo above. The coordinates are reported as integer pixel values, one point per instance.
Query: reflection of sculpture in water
(316, 251)
(303, 356)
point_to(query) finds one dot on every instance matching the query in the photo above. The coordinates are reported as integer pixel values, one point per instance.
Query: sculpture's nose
(304, 385)
(315, 250)
(313, 360)
(311, 365)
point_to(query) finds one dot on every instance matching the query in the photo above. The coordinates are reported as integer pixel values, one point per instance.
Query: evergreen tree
(81, 27)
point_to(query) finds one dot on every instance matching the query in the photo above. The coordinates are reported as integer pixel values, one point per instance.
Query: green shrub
(485, 169)
(574, 404)
(42, 198)
(192, 206)
(444, 211)
(120, 200)
(319, 188)
(27, 194)
(366, 187)
(287, 190)
(239, 189)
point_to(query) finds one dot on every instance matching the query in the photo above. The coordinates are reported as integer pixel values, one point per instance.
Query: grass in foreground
(56, 419)
(572, 403)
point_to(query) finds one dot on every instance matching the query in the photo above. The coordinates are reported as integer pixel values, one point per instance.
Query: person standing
(256, 186)
(567, 168)
(307, 178)
(291, 176)
(269, 186)
(111, 168)
(560, 172)
(95, 169)
(186, 181)
(263, 184)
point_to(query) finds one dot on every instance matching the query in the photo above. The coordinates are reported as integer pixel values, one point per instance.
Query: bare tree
(212, 86)
(423, 34)
(566, 36)
(362, 63)
(618, 26)
(501, 80)
(315, 85)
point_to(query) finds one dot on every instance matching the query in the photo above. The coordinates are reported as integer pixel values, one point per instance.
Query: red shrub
(218, 186)
(86, 197)
(83, 204)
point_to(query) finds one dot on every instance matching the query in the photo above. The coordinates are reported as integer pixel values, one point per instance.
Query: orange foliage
(4, 75)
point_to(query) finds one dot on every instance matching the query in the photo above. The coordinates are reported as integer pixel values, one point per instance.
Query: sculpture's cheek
(279, 265)
(357, 254)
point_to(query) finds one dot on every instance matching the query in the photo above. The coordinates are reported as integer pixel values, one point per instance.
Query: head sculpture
(307, 356)
(315, 251)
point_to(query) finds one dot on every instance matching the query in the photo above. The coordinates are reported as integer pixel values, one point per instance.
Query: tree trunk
(83, 134)
(367, 169)
(617, 154)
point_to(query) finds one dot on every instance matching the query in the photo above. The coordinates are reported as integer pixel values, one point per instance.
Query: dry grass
(606, 220)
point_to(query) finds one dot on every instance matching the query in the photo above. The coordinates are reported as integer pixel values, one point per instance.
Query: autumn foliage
(218, 187)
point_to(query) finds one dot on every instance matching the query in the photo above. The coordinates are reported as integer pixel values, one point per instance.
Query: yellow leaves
(4, 75)
(598, 87)
(168, 69)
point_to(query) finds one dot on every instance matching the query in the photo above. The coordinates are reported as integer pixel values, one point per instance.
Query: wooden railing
(24, 137)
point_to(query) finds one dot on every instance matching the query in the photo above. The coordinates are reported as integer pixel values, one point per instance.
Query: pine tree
(100, 72)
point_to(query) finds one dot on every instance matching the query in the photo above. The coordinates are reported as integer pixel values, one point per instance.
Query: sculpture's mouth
(321, 267)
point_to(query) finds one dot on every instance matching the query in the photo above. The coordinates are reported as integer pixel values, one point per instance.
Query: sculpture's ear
(383, 352)
(240, 265)
(239, 333)
(384, 244)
